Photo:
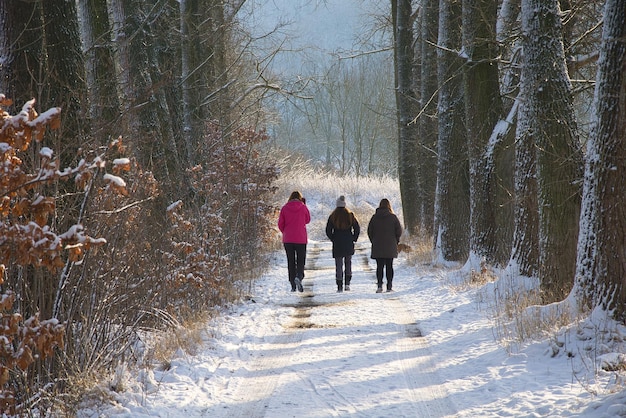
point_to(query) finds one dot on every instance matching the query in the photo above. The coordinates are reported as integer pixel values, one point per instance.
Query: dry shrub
(188, 337)
(520, 316)
(79, 390)
(170, 262)
(38, 249)
(418, 249)
(162, 266)
(482, 277)
(115, 292)
(233, 186)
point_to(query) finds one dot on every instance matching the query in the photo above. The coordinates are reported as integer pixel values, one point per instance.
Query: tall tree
(483, 108)
(503, 137)
(138, 86)
(193, 85)
(427, 122)
(601, 259)
(550, 128)
(65, 69)
(99, 68)
(406, 101)
(22, 50)
(452, 197)
(43, 60)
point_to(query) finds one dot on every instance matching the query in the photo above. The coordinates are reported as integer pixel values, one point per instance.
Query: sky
(329, 24)
(430, 348)
(308, 29)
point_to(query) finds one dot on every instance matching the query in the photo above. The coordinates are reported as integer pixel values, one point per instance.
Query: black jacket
(384, 232)
(343, 239)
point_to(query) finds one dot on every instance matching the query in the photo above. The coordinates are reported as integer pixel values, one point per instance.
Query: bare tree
(427, 26)
(406, 105)
(99, 68)
(452, 198)
(483, 110)
(22, 50)
(547, 128)
(602, 242)
(146, 117)
(192, 86)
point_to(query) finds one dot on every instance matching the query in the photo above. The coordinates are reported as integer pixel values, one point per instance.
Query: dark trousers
(296, 257)
(385, 264)
(339, 268)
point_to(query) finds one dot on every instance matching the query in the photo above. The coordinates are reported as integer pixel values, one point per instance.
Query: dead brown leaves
(27, 236)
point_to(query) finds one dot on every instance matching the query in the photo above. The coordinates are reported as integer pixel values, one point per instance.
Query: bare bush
(158, 265)
(32, 248)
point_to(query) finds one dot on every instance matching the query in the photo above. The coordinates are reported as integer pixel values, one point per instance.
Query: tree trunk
(525, 251)
(483, 108)
(185, 81)
(191, 77)
(507, 28)
(121, 39)
(452, 198)
(601, 261)
(551, 129)
(217, 32)
(66, 71)
(23, 52)
(100, 69)
(135, 86)
(408, 165)
(427, 122)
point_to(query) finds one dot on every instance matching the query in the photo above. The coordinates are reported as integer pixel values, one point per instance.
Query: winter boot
(339, 286)
(379, 281)
(389, 289)
(347, 286)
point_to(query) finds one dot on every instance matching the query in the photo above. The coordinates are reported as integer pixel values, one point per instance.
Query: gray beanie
(341, 202)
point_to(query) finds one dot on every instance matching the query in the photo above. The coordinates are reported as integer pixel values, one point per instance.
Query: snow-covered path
(425, 350)
(370, 362)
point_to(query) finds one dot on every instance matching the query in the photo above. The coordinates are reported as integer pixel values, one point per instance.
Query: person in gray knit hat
(343, 230)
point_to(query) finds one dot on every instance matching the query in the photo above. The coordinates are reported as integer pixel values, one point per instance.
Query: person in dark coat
(384, 231)
(343, 230)
(292, 221)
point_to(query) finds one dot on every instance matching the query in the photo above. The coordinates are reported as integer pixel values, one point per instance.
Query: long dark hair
(342, 218)
(385, 203)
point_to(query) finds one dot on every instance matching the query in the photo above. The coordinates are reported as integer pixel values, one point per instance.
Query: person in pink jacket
(292, 221)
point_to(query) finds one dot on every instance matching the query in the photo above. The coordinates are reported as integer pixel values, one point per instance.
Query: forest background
(141, 198)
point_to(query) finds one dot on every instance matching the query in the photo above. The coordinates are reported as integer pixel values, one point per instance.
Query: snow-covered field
(427, 349)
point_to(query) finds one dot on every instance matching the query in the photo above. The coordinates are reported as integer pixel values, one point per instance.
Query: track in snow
(328, 363)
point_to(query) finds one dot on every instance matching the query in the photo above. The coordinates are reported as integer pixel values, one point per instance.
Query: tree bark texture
(23, 52)
(452, 197)
(408, 166)
(136, 88)
(601, 260)
(427, 121)
(551, 129)
(99, 69)
(65, 68)
(483, 108)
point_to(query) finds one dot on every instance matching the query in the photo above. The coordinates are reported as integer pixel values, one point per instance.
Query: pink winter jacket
(292, 221)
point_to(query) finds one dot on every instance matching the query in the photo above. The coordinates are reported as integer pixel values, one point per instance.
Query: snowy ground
(428, 349)
(423, 350)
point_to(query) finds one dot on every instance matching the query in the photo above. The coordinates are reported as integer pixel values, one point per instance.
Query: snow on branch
(25, 213)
